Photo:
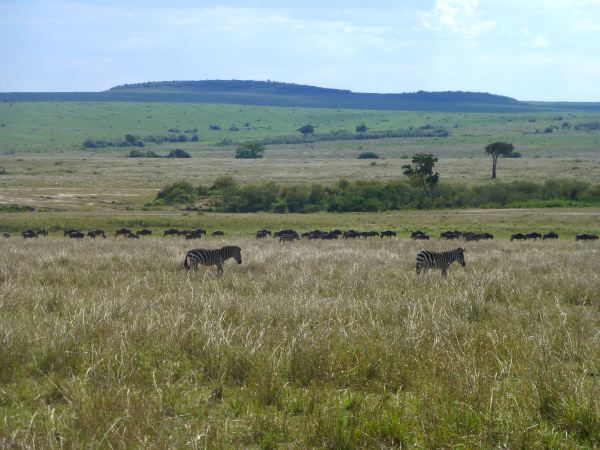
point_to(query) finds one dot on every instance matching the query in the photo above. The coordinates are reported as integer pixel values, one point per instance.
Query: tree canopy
(307, 130)
(421, 170)
(496, 150)
(250, 150)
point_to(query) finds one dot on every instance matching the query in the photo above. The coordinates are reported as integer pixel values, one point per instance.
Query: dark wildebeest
(27, 234)
(419, 236)
(218, 233)
(351, 234)
(132, 236)
(99, 232)
(92, 234)
(261, 234)
(288, 237)
(5, 235)
(518, 237)
(288, 231)
(76, 234)
(144, 232)
(42, 232)
(193, 235)
(551, 235)
(68, 231)
(366, 234)
(586, 237)
(388, 233)
(171, 232)
(450, 235)
(264, 231)
(122, 232)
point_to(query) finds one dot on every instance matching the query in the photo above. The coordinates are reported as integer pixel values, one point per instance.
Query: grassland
(45, 166)
(316, 344)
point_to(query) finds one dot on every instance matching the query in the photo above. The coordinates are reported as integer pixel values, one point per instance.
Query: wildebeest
(193, 235)
(218, 233)
(288, 237)
(67, 231)
(586, 237)
(132, 236)
(98, 232)
(518, 237)
(551, 235)
(171, 232)
(92, 234)
(144, 232)
(387, 233)
(288, 231)
(5, 235)
(264, 231)
(450, 235)
(419, 236)
(27, 234)
(123, 232)
(478, 236)
(42, 232)
(76, 234)
(366, 234)
(260, 234)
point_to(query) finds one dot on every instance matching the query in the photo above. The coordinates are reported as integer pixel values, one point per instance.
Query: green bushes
(368, 155)
(372, 196)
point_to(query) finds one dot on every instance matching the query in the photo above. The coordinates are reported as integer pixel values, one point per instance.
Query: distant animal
(351, 234)
(478, 236)
(5, 235)
(518, 237)
(218, 233)
(261, 234)
(193, 235)
(288, 231)
(450, 235)
(144, 232)
(288, 237)
(419, 236)
(42, 233)
(28, 234)
(123, 232)
(586, 237)
(99, 233)
(264, 231)
(433, 260)
(551, 235)
(132, 236)
(171, 232)
(367, 234)
(92, 234)
(76, 234)
(212, 257)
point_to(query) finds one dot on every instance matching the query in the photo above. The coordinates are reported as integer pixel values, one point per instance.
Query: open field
(315, 344)
(42, 163)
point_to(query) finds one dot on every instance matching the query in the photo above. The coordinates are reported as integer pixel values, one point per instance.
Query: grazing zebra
(432, 260)
(212, 257)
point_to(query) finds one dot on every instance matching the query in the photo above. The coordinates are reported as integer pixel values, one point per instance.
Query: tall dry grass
(314, 344)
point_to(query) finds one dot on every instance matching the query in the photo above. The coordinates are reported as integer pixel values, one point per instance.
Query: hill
(269, 93)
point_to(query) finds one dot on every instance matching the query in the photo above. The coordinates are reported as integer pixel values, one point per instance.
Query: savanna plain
(111, 343)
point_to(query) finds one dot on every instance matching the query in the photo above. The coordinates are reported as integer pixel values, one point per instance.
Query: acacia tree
(421, 170)
(496, 150)
(307, 130)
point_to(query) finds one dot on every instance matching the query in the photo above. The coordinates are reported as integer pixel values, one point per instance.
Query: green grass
(310, 345)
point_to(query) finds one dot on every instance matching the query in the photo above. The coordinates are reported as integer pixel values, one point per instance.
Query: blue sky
(530, 50)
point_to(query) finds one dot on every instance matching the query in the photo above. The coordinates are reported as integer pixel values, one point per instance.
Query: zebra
(212, 257)
(432, 260)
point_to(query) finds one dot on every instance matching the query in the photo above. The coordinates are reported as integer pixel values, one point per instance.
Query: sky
(545, 50)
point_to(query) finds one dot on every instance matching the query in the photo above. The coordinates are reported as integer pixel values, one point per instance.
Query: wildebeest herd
(209, 257)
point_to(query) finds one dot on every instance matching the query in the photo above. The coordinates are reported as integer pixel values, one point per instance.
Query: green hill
(269, 93)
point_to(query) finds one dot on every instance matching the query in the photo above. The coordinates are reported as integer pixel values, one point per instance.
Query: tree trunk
(494, 161)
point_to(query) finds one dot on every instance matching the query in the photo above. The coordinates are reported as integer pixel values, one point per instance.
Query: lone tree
(362, 128)
(498, 149)
(307, 130)
(250, 150)
(421, 170)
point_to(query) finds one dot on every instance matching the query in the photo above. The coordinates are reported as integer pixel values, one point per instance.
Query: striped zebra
(432, 260)
(212, 257)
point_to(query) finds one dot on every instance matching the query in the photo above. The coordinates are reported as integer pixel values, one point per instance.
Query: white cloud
(539, 41)
(461, 17)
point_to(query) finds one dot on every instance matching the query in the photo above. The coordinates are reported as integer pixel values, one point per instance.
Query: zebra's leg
(418, 269)
(220, 266)
(445, 273)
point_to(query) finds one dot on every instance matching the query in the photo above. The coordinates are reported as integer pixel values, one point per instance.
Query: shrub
(178, 153)
(177, 193)
(223, 182)
(368, 155)
(250, 150)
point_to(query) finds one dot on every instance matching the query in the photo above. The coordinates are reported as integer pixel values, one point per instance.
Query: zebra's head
(460, 256)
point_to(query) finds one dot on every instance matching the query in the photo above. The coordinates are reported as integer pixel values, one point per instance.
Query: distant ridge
(272, 93)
